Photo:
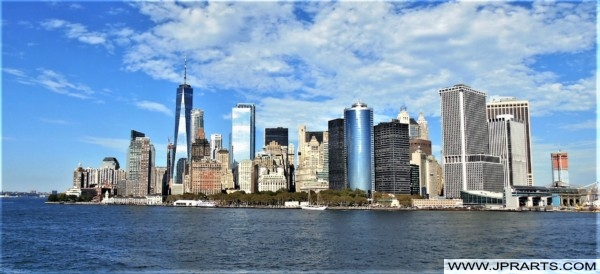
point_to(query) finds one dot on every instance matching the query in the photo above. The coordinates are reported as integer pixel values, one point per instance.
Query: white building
(507, 140)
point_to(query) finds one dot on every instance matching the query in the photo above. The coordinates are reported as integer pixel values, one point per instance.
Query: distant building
(392, 167)
(519, 109)
(466, 159)
(216, 144)
(197, 122)
(243, 132)
(312, 169)
(183, 134)
(507, 140)
(227, 181)
(140, 163)
(358, 144)
(205, 173)
(247, 176)
(337, 155)
(279, 135)
(560, 168)
(159, 181)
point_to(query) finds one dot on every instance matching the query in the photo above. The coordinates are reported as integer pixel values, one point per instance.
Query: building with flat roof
(358, 144)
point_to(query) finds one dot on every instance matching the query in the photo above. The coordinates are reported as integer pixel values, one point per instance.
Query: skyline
(77, 77)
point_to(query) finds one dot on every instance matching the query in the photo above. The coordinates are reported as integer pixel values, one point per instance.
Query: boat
(194, 203)
(206, 204)
(313, 207)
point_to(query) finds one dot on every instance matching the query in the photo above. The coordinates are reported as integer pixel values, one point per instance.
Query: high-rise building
(560, 168)
(278, 134)
(197, 122)
(467, 162)
(216, 144)
(507, 140)
(140, 163)
(183, 132)
(312, 167)
(392, 167)
(358, 141)
(243, 132)
(337, 154)
(423, 128)
(519, 109)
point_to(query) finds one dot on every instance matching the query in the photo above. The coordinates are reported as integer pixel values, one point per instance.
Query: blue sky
(78, 76)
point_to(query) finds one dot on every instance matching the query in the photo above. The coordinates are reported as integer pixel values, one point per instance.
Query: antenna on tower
(185, 70)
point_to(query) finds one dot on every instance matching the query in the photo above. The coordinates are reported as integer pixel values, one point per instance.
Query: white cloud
(55, 121)
(589, 124)
(113, 143)
(78, 32)
(153, 106)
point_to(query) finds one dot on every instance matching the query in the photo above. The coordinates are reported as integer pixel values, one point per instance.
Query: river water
(39, 237)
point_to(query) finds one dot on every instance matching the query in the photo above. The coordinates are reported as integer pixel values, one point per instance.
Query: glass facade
(243, 132)
(183, 136)
(358, 141)
(337, 155)
(279, 135)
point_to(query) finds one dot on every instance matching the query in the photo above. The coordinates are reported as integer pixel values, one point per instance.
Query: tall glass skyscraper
(243, 132)
(358, 142)
(337, 154)
(279, 135)
(183, 134)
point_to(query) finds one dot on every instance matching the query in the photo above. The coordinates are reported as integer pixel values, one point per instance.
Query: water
(38, 237)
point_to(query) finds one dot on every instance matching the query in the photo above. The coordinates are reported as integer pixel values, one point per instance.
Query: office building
(183, 133)
(358, 141)
(466, 159)
(216, 144)
(507, 140)
(519, 109)
(423, 127)
(247, 176)
(311, 172)
(392, 167)
(243, 132)
(140, 163)
(278, 134)
(337, 154)
(197, 122)
(560, 168)
(227, 181)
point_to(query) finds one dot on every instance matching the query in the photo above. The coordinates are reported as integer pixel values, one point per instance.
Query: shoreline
(341, 208)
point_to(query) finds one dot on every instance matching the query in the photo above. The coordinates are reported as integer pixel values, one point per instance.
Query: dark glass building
(183, 134)
(279, 135)
(392, 160)
(358, 143)
(337, 154)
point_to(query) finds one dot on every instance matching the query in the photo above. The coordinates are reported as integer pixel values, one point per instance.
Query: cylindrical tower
(358, 143)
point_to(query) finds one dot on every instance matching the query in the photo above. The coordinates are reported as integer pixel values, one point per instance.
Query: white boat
(195, 203)
(313, 207)
(206, 204)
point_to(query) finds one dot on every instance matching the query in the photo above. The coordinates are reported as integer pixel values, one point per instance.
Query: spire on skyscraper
(185, 70)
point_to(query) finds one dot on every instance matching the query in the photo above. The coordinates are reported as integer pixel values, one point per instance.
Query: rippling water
(38, 237)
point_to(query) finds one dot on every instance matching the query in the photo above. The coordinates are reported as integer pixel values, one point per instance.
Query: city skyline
(91, 72)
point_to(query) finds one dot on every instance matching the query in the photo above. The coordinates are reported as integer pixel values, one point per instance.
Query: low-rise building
(437, 203)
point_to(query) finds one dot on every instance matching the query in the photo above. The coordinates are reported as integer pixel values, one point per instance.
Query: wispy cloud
(55, 121)
(589, 124)
(113, 143)
(78, 32)
(153, 106)
(53, 81)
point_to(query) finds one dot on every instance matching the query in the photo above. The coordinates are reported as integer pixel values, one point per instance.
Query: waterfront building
(197, 122)
(519, 109)
(311, 172)
(392, 167)
(437, 203)
(243, 132)
(159, 180)
(466, 159)
(278, 134)
(109, 174)
(271, 180)
(507, 140)
(226, 172)
(247, 176)
(205, 176)
(560, 168)
(358, 144)
(183, 133)
(216, 144)
(80, 177)
(336, 154)
(140, 163)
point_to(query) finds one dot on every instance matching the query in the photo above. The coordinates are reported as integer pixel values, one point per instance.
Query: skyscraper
(183, 134)
(140, 163)
(337, 154)
(312, 169)
(392, 167)
(519, 109)
(197, 122)
(216, 143)
(467, 163)
(243, 132)
(358, 141)
(507, 140)
(560, 168)
(279, 135)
